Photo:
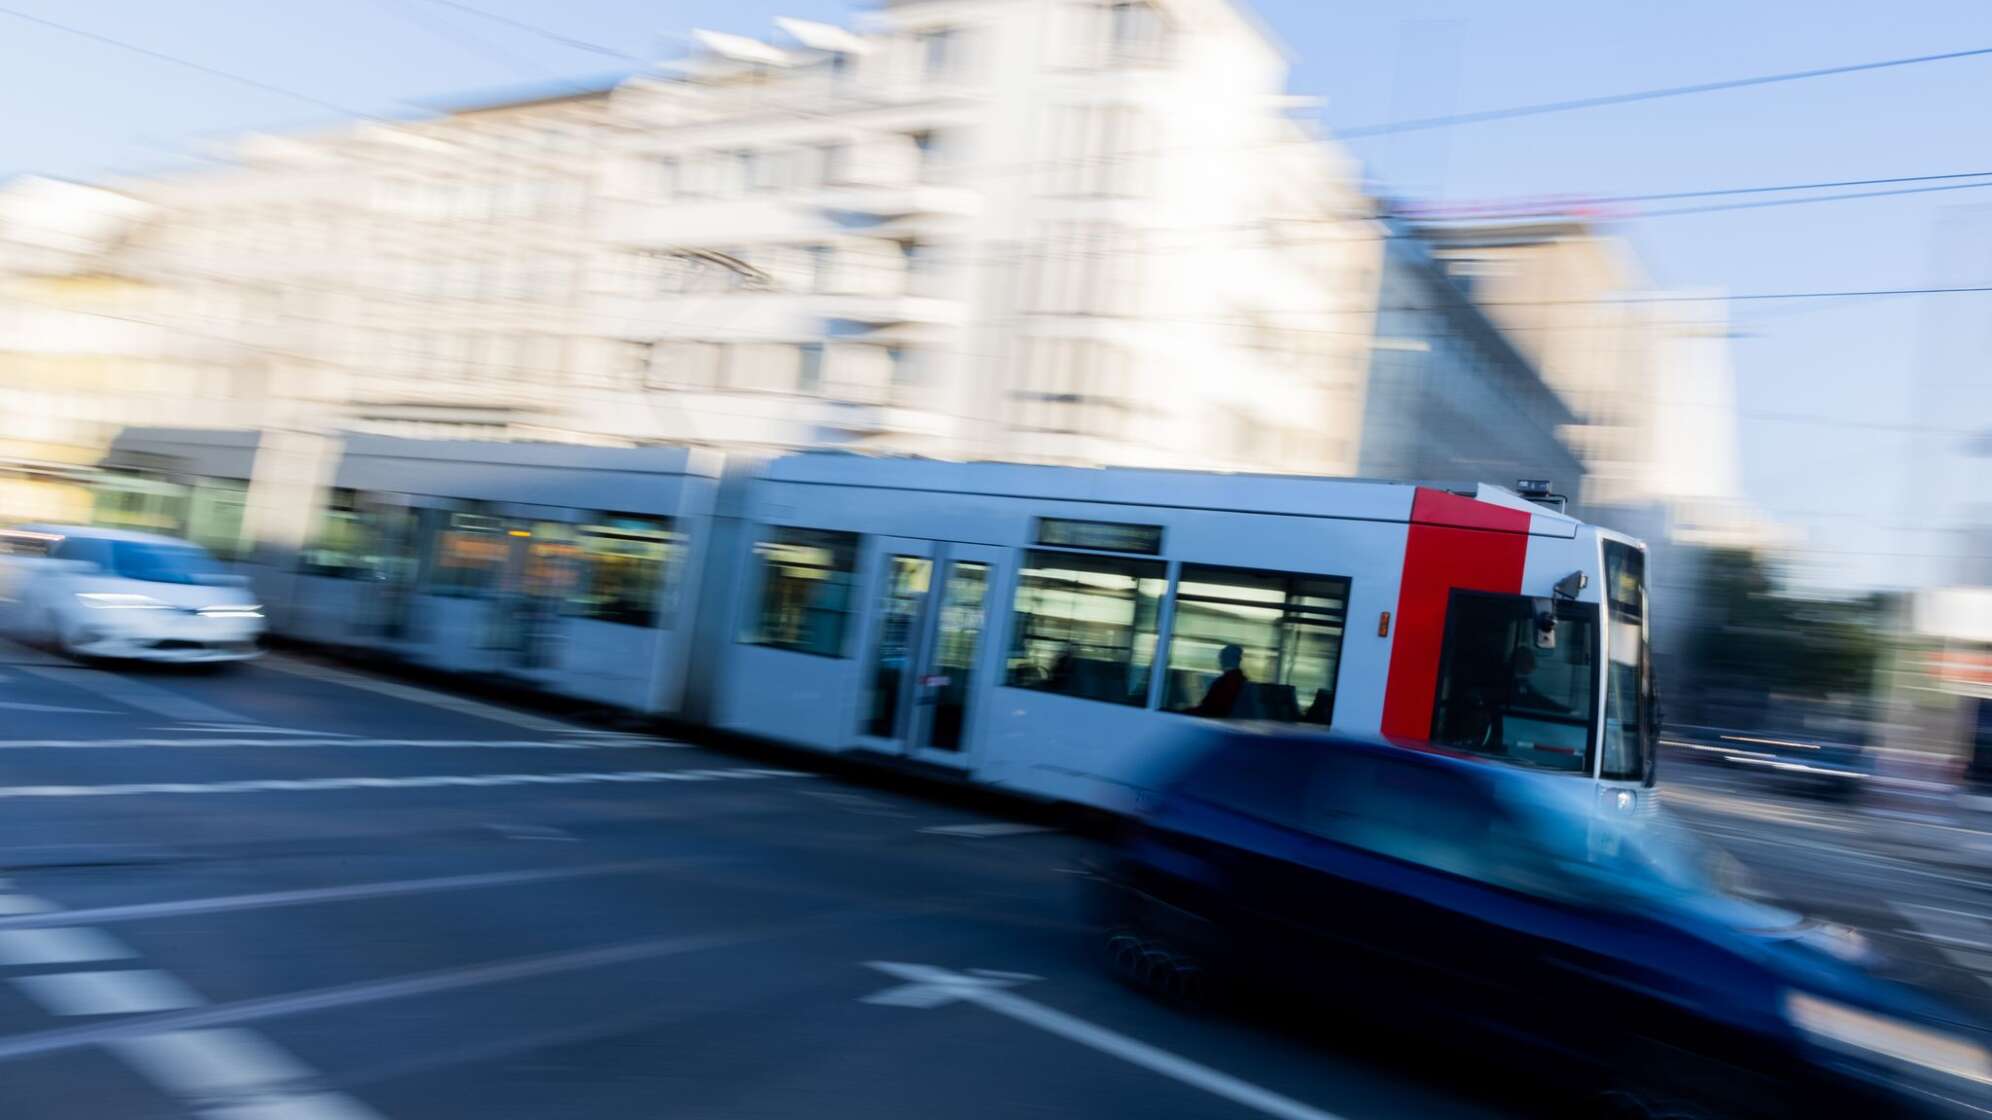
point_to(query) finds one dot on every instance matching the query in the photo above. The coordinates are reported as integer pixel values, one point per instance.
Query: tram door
(930, 608)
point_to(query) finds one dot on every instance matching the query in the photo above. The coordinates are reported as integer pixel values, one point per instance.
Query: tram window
(805, 591)
(340, 542)
(1288, 630)
(625, 569)
(1086, 626)
(1500, 694)
(472, 551)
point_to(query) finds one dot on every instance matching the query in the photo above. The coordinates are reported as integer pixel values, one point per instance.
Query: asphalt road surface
(289, 891)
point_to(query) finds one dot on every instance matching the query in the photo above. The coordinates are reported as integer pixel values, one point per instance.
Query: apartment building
(1080, 232)
(1076, 231)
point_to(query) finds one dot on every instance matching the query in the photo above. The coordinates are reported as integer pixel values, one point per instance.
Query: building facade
(1045, 230)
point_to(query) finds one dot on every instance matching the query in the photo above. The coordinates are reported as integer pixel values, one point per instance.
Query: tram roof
(1366, 498)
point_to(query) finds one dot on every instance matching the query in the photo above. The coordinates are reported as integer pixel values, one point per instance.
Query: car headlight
(1869, 1035)
(233, 610)
(119, 601)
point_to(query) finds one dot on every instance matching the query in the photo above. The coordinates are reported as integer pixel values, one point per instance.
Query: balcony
(885, 201)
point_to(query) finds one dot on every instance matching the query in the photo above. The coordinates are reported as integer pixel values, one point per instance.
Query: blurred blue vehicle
(1584, 933)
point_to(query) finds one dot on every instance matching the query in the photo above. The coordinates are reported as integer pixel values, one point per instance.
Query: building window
(831, 162)
(664, 177)
(937, 49)
(904, 365)
(822, 262)
(744, 169)
(1286, 631)
(807, 577)
(809, 370)
(1085, 626)
(932, 152)
(1138, 32)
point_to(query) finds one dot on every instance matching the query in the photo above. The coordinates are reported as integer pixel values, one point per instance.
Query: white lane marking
(53, 709)
(58, 945)
(1965, 939)
(125, 992)
(451, 979)
(1731, 805)
(315, 1106)
(306, 896)
(130, 789)
(256, 729)
(222, 1073)
(399, 987)
(23, 904)
(204, 1064)
(418, 695)
(928, 986)
(134, 693)
(496, 744)
(991, 828)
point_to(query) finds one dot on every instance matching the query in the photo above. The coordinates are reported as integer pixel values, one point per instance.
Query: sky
(1855, 414)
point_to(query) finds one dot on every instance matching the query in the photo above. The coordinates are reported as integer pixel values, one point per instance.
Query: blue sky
(1854, 412)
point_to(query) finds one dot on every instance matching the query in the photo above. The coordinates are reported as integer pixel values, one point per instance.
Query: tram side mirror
(1570, 585)
(1545, 624)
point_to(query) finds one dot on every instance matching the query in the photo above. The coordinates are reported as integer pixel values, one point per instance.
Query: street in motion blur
(985, 557)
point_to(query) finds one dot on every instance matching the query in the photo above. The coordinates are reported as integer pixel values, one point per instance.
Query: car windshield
(163, 563)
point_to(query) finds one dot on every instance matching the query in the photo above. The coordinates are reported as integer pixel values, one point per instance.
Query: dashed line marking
(225, 1074)
(124, 992)
(307, 896)
(312, 785)
(209, 1063)
(58, 945)
(23, 904)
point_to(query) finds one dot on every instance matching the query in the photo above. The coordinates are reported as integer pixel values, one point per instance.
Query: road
(287, 892)
(291, 891)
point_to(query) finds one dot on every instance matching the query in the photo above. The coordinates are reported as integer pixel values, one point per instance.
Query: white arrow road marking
(928, 987)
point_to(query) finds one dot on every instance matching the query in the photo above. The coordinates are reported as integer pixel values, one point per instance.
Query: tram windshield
(1514, 691)
(1632, 719)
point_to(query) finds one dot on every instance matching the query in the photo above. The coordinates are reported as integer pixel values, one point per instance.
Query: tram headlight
(1870, 1035)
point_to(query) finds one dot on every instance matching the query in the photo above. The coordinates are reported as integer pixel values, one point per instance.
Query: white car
(117, 594)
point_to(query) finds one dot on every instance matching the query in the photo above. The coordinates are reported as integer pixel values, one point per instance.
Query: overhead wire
(1572, 104)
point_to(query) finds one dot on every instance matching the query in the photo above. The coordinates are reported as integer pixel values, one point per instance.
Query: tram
(1034, 628)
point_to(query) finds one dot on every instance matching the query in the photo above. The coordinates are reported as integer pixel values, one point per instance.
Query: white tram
(1034, 628)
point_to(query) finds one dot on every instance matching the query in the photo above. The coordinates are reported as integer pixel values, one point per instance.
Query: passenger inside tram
(1227, 695)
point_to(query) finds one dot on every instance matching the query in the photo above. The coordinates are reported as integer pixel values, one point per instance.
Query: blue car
(1518, 913)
